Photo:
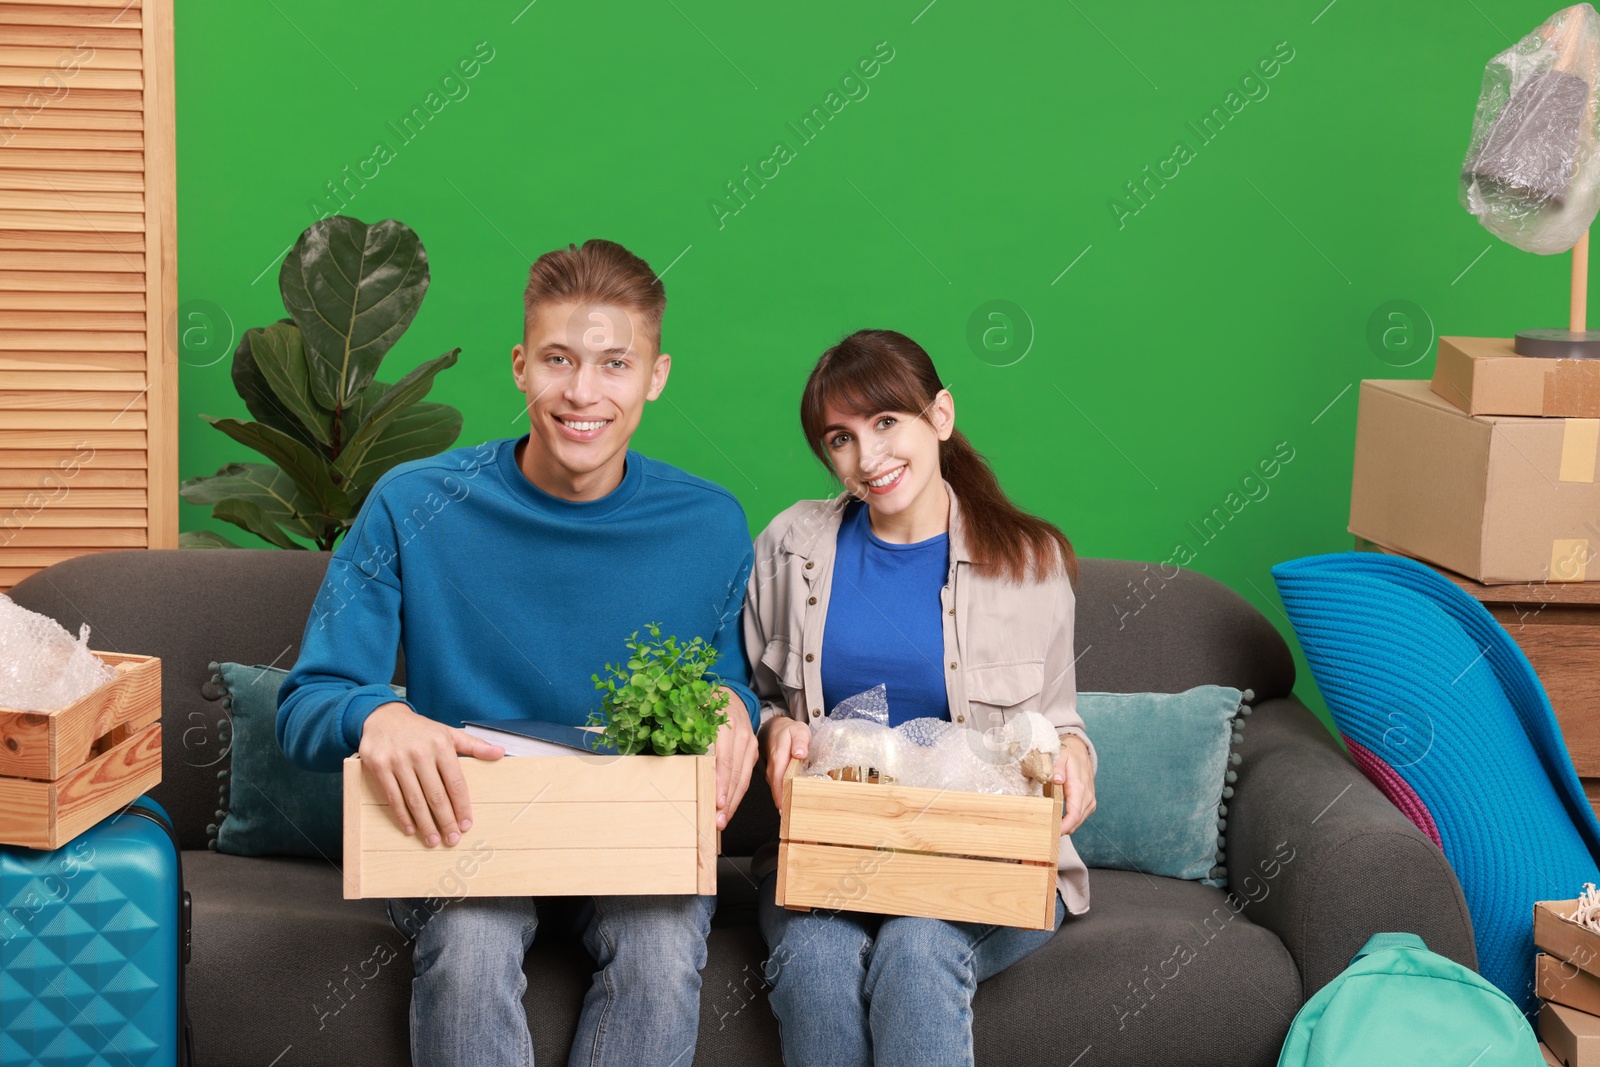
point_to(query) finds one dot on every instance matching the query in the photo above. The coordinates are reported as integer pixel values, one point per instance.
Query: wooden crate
(546, 825)
(901, 850)
(62, 771)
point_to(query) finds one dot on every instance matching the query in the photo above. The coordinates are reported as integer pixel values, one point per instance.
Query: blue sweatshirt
(506, 599)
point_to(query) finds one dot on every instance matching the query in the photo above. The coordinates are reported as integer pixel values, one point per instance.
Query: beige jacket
(1008, 646)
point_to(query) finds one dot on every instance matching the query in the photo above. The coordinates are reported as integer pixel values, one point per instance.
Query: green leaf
(264, 485)
(309, 470)
(246, 516)
(280, 356)
(257, 394)
(380, 416)
(204, 539)
(352, 289)
(355, 414)
(421, 430)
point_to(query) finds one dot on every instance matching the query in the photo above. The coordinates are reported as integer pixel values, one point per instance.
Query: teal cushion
(274, 808)
(1165, 764)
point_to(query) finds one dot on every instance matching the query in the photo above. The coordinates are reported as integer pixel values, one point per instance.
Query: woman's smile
(886, 482)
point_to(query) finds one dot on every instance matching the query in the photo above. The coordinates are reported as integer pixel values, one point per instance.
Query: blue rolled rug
(1443, 710)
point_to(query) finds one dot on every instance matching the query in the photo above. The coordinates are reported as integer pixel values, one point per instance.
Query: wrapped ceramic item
(855, 743)
(1530, 173)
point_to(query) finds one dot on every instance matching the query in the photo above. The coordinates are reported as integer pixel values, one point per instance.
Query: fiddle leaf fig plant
(660, 701)
(327, 426)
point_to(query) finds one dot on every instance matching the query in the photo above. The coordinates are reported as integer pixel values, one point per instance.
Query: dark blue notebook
(539, 737)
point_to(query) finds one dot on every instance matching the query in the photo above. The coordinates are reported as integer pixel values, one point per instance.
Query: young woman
(922, 577)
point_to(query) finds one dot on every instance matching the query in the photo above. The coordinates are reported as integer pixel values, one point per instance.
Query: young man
(511, 572)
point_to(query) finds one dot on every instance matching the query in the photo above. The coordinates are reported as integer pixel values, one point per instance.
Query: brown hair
(872, 371)
(600, 272)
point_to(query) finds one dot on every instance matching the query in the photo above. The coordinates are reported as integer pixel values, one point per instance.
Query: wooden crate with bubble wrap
(64, 770)
(904, 850)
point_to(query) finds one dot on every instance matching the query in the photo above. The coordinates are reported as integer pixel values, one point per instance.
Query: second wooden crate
(902, 850)
(64, 770)
(545, 825)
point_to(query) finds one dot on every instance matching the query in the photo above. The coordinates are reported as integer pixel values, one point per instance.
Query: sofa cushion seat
(1116, 978)
(330, 977)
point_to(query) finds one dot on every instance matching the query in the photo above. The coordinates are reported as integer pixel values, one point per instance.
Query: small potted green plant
(661, 701)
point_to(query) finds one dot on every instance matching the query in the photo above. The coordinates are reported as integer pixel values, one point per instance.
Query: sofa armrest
(1321, 856)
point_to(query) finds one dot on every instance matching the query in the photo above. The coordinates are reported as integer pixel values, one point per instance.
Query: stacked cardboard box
(1567, 978)
(1488, 470)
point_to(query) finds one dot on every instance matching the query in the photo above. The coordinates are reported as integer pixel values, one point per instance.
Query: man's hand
(414, 760)
(783, 739)
(1074, 769)
(736, 757)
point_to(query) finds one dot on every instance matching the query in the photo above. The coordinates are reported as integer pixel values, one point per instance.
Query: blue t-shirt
(506, 599)
(885, 623)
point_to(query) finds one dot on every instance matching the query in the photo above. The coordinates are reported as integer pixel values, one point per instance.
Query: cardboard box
(62, 771)
(546, 825)
(1549, 1057)
(1485, 376)
(1573, 1036)
(1563, 938)
(1498, 498)
(901, 850)
(1565, 983)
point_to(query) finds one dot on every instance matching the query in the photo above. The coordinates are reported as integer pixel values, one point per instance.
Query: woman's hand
(782, 739)
(1075, 771)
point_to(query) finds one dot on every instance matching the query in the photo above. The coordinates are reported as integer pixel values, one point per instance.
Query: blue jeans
(853, 990)
(643, 1007)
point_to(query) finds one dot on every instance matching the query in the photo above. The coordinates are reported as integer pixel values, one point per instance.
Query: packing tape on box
(1569, 559)
(1579, 440)
(1571, 385)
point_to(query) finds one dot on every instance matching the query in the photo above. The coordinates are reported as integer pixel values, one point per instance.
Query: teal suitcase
(94, 940)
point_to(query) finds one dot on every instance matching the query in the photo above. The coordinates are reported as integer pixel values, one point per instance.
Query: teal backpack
(1398, 1003)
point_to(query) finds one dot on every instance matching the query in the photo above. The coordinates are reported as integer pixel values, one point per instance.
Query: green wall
(1219, 321)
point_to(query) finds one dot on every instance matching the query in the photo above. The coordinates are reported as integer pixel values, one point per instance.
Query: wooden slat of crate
(707, 846)
(531, 872)
(47, 815)
(554, 825)
(923, 820)
(558, 825)
(916, 883)
(48, 744)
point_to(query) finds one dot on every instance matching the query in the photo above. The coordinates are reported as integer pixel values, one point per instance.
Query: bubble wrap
(41, 667)
(1532, 170)
(929, 753)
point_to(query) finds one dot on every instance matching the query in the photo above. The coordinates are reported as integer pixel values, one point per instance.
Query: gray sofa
(1331, 860)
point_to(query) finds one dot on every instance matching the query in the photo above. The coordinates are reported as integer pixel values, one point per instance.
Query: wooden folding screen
(88, 281)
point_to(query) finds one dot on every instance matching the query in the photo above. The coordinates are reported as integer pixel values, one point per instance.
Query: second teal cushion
(1165, 764)
(274, 807)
